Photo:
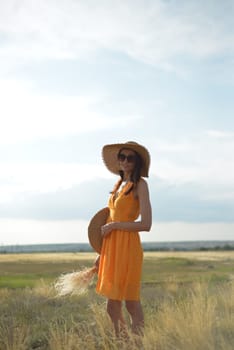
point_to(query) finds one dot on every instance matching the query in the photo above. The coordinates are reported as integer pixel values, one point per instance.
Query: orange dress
(121, 257)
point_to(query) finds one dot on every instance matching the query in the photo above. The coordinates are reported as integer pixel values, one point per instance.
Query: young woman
(120, 262)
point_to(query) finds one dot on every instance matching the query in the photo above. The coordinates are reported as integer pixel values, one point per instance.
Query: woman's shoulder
(142, 182)
(142, 185)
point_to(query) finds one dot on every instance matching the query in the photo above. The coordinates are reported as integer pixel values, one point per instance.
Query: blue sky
(76, 75)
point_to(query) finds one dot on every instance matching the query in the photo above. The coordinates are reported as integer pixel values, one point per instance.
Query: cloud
(188, 180)
(26, 180)
(170, 202)
(218, 134)
(26, 115)
(205, 159)
(190, 202)
(154, 32)
(77, 202)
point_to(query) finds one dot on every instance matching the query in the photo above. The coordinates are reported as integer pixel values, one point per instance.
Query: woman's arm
(145, 222)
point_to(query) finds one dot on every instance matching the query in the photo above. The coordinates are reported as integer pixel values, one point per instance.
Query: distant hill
(147, 246)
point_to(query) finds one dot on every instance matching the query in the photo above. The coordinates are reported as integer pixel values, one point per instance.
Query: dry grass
(201, 320)
(196, 255)
(47, 257)
(68, 257)
(179, 315)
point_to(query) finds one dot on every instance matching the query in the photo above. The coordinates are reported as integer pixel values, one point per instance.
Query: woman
(120, 262)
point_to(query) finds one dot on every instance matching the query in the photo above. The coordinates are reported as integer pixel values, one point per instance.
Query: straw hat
(110, 153)
(94, 228)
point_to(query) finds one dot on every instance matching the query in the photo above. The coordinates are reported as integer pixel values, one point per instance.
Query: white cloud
(205, 161)
(206, 172)
(177, 147)
(207, 164)
(154, 31)
(19, 180)
(27, 116)
(218, 134)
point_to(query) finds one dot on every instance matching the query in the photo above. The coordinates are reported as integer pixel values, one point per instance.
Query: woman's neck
(126, 178)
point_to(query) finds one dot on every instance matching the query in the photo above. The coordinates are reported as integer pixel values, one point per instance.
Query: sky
(76, 75)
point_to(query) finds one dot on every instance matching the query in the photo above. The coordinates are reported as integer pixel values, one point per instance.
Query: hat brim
(110, 153)
(94, 229)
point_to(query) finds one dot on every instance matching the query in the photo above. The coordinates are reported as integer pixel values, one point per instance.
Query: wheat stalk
(75, 283)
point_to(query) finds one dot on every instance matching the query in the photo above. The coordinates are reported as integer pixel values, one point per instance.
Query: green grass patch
(27, 272)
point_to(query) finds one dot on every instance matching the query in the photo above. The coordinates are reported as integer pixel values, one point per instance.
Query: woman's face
(127, 160)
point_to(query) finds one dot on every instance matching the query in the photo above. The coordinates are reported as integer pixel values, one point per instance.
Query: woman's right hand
(107, 228)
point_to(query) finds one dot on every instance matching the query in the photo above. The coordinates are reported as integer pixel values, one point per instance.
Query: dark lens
(131, 159)
(121, 157)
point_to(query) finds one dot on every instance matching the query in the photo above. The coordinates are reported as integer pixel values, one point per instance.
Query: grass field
(188, 301)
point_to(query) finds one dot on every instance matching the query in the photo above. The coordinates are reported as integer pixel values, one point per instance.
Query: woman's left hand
(96, 262)
(107, 228)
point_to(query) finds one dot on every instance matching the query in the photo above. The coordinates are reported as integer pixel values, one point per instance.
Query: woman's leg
(114, 309)
(135, 310)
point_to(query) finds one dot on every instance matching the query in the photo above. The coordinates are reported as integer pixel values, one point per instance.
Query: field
(187, 297)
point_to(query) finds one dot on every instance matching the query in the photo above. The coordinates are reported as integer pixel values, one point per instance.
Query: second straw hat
(94, 229)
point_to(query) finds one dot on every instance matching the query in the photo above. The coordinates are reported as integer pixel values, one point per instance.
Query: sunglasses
(130, 159)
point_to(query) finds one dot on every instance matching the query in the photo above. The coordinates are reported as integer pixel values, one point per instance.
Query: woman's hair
(135, 176)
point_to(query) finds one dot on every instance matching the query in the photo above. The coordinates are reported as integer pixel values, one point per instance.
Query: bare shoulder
(142, 182)
(142, 186)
